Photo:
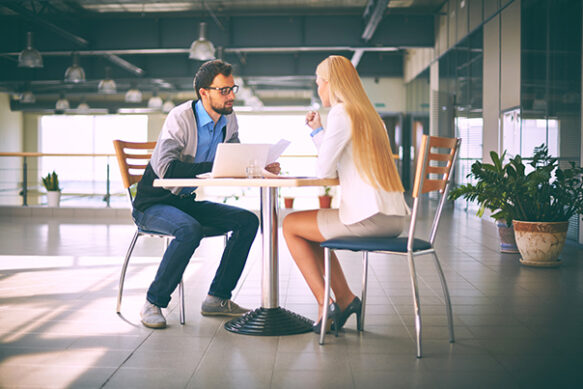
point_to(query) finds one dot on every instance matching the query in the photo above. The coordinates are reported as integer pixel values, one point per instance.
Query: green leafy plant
(51, 182)
(327, 190)
(548, 193)
(490, 190)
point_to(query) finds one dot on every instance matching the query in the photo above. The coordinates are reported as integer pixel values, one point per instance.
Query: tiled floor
(516, 327)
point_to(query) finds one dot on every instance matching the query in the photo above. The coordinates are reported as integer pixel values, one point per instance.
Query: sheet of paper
(276, 150)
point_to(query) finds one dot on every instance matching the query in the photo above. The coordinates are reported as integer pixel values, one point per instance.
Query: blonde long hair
(371, 146)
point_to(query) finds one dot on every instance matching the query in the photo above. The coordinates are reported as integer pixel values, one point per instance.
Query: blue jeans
(186, 227)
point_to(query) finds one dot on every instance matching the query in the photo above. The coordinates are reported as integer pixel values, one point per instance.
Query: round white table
(270, 319)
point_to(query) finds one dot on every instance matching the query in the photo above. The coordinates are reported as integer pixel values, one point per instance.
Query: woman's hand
(313, 120)
(273, 168)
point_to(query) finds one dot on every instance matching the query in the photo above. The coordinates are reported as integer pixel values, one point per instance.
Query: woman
(355, 147)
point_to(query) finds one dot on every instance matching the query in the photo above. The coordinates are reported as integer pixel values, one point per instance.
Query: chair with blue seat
(436, 159)
(132, 158)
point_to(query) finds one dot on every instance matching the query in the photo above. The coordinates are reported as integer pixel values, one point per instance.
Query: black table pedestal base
(270, 322)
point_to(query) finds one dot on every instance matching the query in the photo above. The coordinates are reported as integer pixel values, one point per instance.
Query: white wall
(155, 122)
(11, 135)
(386, 94)
(10, 126)
(416, 61)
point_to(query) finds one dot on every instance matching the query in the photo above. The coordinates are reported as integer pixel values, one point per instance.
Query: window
(84, 176)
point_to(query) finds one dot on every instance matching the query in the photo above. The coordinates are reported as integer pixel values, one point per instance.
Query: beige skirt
(379, 224)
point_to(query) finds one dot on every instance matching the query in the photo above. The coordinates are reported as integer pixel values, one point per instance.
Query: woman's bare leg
(300, 230)
(338, 283)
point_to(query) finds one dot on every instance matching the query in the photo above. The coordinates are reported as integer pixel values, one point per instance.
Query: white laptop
(231, 159)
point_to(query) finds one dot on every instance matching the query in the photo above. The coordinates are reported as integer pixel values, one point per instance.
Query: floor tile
(515, 326)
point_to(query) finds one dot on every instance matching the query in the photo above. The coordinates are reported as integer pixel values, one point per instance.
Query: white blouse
(358, 199)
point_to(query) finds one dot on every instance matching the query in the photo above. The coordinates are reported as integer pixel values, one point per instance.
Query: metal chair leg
(124, 268)
(181, 302)
(327, 255)
(416, 305)
(360, 325)
(448, 310)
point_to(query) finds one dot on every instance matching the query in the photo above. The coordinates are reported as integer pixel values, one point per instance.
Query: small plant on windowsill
(325, 199)
(51, 184)
(288, 198)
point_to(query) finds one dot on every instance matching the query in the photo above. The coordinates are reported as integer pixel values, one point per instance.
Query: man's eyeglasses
(225, 90)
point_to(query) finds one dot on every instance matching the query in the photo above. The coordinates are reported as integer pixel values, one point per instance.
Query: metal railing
(20, 182)
(28, 183)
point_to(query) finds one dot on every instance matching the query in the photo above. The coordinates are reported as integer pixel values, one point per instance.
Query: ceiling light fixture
(133, 95)
(27, 97)
(168, 105)
(155, 102)
(62, 103)
(30, 57)
(75, 73)
(202, 49)
(83, 107)
(107, 85)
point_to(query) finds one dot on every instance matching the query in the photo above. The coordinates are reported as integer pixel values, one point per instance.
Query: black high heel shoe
(333, 317)
(354, 307)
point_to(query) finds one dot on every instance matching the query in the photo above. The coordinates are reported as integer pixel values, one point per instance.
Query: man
(186, 147)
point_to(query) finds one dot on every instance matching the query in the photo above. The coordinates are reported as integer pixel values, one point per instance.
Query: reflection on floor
(516, 327)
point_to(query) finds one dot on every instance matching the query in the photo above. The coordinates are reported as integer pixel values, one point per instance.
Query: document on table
(276, 150)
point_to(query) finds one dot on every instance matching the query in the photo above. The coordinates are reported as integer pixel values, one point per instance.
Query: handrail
(27, 154)
(35, 154)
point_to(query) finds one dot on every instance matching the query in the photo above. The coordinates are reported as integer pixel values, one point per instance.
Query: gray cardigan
(178, 139)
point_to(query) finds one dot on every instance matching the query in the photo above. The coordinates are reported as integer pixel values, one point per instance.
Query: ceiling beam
(293, 49)
(77, 40)
(373, 13)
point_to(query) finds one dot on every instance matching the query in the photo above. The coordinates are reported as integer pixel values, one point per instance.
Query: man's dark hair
(207, 73)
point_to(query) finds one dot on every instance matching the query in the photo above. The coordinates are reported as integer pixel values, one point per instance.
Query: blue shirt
(208, 135)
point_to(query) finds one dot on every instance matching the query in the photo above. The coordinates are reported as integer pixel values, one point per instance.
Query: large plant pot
(540, 243)
(53, 198)
(507, 239)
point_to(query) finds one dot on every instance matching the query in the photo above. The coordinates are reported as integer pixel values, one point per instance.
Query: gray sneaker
(152, 316)
(214, 306)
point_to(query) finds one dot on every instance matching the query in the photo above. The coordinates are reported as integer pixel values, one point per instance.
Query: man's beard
(222, 110)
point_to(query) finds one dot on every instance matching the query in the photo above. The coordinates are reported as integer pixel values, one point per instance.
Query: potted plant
(51, 184)
(541, 204)
(288, 201)
(491, 191)
(325, 199)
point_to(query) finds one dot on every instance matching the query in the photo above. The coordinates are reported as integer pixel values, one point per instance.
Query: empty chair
(435, 162)
(132, 158)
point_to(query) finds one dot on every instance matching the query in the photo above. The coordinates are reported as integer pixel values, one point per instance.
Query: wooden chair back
(132, 158)
(436, 159)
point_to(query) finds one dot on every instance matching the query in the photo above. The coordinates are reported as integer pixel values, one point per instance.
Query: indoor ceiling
(273, 45)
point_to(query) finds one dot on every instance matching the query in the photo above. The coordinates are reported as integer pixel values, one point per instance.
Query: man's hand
(273, 168)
